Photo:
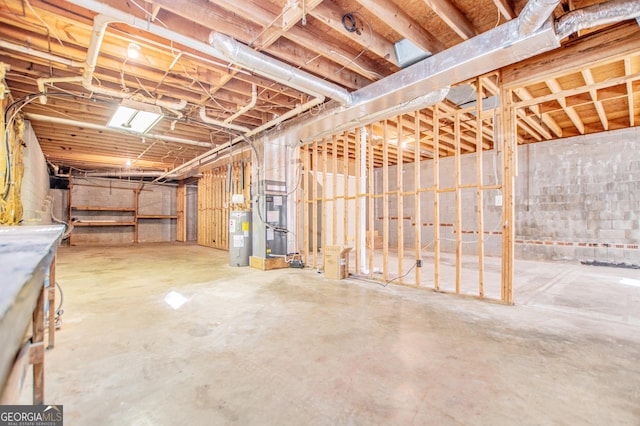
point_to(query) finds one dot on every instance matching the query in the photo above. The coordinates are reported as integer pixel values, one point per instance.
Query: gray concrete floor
(291, 347)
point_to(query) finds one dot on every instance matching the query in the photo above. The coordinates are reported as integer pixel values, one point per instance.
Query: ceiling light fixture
(133, 51)
(135, 116)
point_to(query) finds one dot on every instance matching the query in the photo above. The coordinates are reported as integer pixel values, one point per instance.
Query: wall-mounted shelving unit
(128, 216)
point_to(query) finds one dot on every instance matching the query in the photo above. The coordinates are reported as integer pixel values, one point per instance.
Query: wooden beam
(588, 79)
(480, 184)
(505, 8)
(331, 14)
(525, 95)
(385, 201)
(555, 87)
(395, 17)
(453, 17)
(630, 101)
(592, 50)
(458, 178)
(400, 200)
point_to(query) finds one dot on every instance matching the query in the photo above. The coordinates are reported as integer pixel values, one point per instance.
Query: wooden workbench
(27, 254)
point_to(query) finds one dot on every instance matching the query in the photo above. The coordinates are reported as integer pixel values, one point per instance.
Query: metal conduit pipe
(534, 15)
(68, 122)
(259, 63)
(597, 14)
(308, 83)
(251, 104)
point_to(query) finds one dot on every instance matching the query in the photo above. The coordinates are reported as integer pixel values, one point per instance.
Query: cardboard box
(336, 262)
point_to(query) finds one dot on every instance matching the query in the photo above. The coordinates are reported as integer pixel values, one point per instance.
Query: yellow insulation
(11, 203)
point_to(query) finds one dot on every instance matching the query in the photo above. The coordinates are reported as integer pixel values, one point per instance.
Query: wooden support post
(479, 183)
(136, 195)
(436, 197)
(417, 213)
(458, 228)
(509, 145)
(334, 192)
(70, 206)
(38, 339)
(181, 212)
(400, 198)
(385, 201)
(51, 296)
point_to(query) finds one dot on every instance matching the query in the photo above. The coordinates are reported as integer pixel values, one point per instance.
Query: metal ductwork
(597, 14)
(264, 65)
(272, 69)
(535, 14)
(494, 49)
(67, 122)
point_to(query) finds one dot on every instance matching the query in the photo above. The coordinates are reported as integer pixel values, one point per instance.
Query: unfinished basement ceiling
(348, 44)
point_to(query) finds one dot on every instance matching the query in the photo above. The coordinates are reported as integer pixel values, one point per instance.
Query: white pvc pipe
(205, 118)
(363, 201)
(251, 104)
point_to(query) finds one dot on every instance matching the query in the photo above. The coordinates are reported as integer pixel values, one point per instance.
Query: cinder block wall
(98, 192)
(576, 199)
(579, 198)
(35, 184)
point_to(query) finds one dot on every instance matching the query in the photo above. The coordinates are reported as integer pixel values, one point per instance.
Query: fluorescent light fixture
(408, 53)
(135, 116)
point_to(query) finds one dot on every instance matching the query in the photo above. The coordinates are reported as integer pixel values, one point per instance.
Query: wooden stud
(345, 191)
(417, 209)
(436, 197)
(385, 201)
(458, 204)
(181, 207)
(400, 198)
(325, 150)
(509, 144)
(334, 186)
(371, 213)
(479, 183)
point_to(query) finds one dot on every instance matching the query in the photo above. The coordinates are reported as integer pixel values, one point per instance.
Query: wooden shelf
(157, 216)
(104, 224)
(104, 209)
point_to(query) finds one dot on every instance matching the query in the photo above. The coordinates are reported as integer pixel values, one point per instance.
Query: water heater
(239, 238)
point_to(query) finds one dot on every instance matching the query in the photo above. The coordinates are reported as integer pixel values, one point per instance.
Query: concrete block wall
(579, 198)
(98, 192)
(35, 183)
(576, 199)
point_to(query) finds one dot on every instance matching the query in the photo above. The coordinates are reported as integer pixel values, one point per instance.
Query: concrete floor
(291, 347)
